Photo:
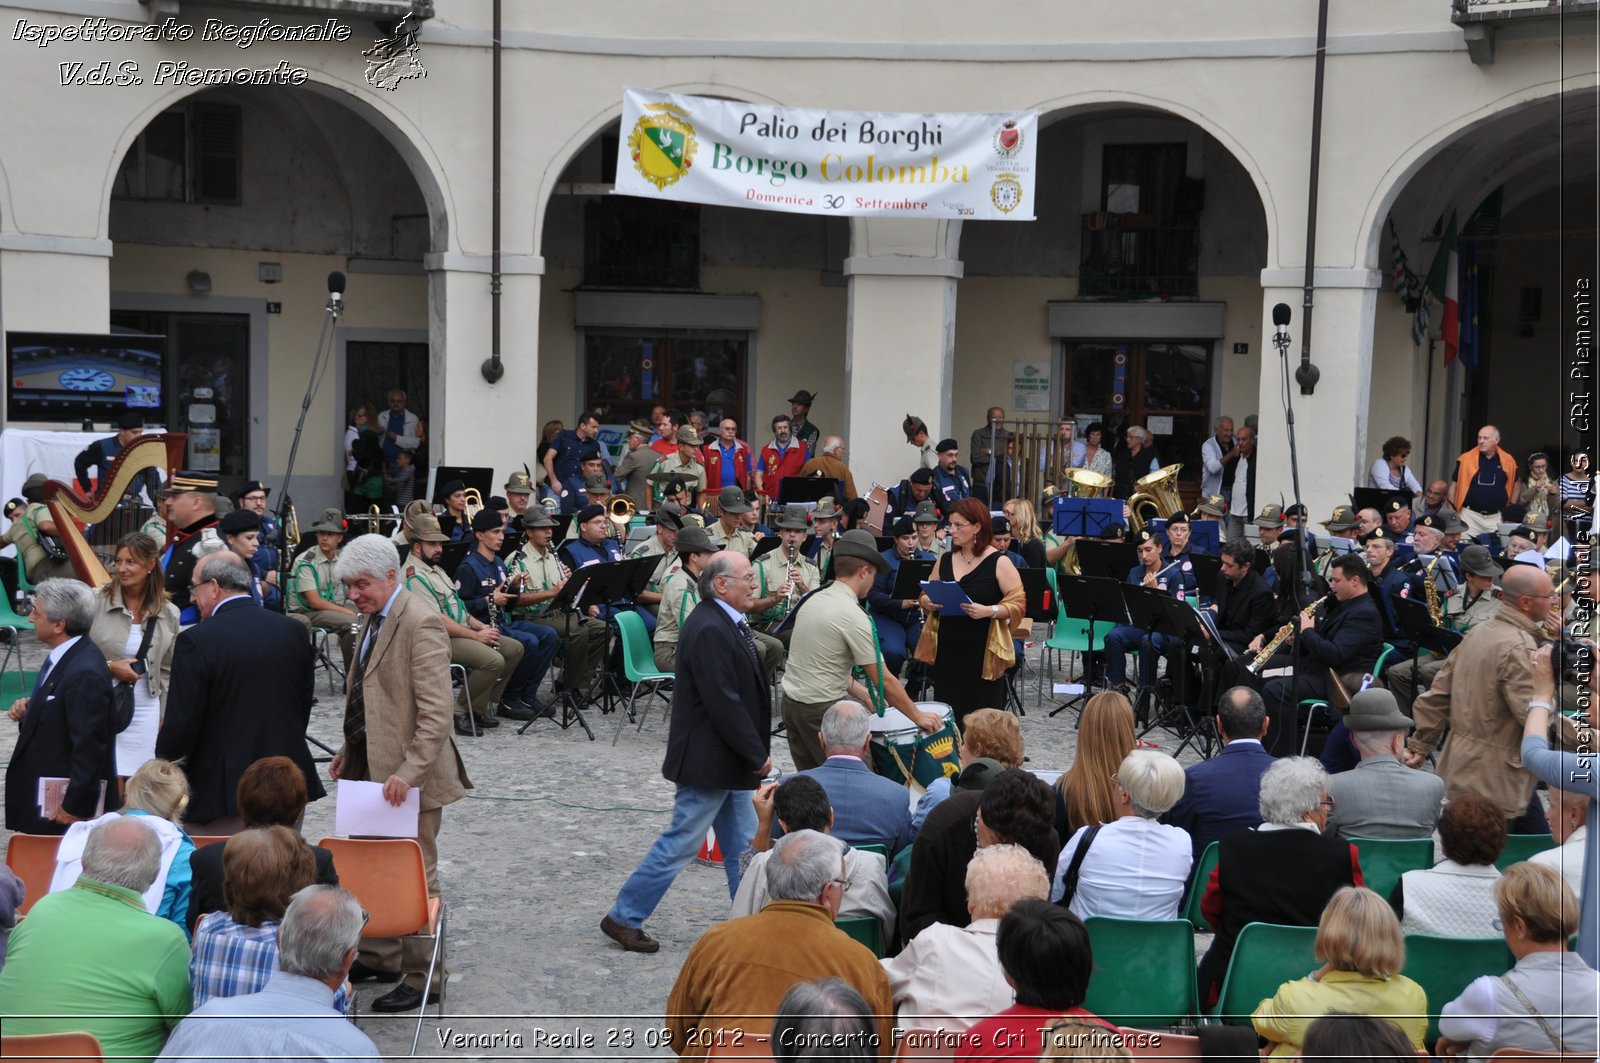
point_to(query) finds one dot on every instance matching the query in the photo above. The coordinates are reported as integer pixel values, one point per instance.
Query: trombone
(621, 510)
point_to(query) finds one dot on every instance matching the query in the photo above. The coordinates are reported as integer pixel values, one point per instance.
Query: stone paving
(531, 861)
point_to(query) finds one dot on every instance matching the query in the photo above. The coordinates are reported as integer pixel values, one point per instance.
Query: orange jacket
(1467, 469)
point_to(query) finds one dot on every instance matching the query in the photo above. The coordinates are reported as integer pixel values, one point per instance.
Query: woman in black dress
(992, 582)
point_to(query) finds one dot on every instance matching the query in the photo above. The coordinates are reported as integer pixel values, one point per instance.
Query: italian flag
(1444, 283)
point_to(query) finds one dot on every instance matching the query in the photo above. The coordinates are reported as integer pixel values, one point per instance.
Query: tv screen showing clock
(65, 376)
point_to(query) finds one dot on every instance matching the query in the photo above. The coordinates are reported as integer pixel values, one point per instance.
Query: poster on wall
(1030, 387)
(693, 149)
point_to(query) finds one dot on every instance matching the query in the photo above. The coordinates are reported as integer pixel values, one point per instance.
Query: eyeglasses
(1327, 803)
(366, 917)
(193, 586)
(842, 883)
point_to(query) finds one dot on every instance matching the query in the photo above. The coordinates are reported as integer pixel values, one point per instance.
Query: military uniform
(679, 595)
(156, 528)
(667, 563)
(898, 629)
(37, 563)
(180, 564)
(489, 667)
(739, 539)
(772, 572)
(476, 580)
(314, 572)
(692, 473)
(585, 637)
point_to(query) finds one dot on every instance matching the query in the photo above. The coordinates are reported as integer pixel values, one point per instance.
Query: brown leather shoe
(631, 938)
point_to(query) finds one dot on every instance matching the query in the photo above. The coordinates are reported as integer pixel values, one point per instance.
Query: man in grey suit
(1381, 797)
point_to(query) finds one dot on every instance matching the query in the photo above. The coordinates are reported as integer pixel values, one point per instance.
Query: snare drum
(901, 751)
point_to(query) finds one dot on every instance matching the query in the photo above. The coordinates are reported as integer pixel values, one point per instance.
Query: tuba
(72, 511)
(1082, 483)
(621, 511)
(1159, 492)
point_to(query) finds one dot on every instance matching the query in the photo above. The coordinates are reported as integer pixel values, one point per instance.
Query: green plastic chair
(1444, 966)
(1384, 860)
(1265, 956)
(1197, 890)
(1520, 847)
(1311, 705)
(1143, 971)
(865, 929)
(875, 847)
(899, 868)
(16, 624)
(639, 666)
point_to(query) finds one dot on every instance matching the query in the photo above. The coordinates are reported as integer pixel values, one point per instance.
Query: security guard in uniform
(779, 581)
(541, 578)
(491, 659)
(486, 588)
(899, 622)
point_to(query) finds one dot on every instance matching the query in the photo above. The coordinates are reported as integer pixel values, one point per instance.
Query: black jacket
(241, 690)
(720, 735)
(1348, 641)
(67, 733)
(1245, 611)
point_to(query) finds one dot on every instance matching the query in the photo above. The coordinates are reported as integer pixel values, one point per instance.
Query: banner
(691, 149)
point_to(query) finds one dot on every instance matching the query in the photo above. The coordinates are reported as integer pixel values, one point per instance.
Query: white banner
(698, 150)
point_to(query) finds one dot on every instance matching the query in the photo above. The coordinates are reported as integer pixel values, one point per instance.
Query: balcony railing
(1134, 256)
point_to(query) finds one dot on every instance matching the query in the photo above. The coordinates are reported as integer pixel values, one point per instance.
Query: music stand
(1416, 624)
(1182, 622)
(770, 543)
(454, 555)
(1091, 517)
(1108, 560)
(1378, 497)
(1099, 601)
(1205, 538)
(1040, 604)
(885, 543)
(470, 476)
(807, 489)
(1207, 570)
(908, 581)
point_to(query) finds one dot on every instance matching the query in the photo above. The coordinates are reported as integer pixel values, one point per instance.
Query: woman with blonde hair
(135, 629)
(1362, 951)
(1026, 538)
(1085, 795)
(159, 792)
(1530, 1006)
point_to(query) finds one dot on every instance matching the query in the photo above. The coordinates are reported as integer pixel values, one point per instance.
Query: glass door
(1163, 387)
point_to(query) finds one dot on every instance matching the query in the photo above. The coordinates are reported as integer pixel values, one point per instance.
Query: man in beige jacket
(1482, 693)
(398, 731)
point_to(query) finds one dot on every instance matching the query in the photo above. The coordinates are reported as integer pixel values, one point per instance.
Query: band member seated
(1465, 607)
(825, 525)
(1341, 635)
(454, 521)
(597, 491)
(542, 576)
(1151, 571)
(680, 593)
(912, 492)
(1244, 605)
(1177, 553)
(316, 597)
(100, 455)
(926, 521)
(783, 575)
(1390, 578)
(898, 621)
(1001, 540)
(1397, 517)
(729, 531)
(241, 530)
(491, 659)
(489, 593)
(1342, 525)
(1427, 538)
(33, 533)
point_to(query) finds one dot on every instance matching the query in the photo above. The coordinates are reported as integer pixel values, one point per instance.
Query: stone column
(1330, 424)
(476, 423)
(899, 340)
(54, 283)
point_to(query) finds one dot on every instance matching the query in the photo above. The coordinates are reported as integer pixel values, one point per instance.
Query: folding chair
(1265, 956)
(639, 666)
(33, 858)
(1520, 847)
(50, 1047)
(1384, 860)
(388, 878)
(16, 625)
(458, 678)
(325, 643)
(1144, 971)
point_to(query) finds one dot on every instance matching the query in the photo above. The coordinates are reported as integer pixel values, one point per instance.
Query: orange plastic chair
(920, 1043)
(33, 858)
(388, 878)
(203, 840)
(50, 1047)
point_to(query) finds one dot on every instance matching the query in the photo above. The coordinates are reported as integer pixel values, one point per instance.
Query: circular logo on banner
(1006, 194)
(1117, 399)
(662, 145)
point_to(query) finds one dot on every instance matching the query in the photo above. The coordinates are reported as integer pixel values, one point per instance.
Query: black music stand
(770, 543)
(1207, 570)
(807, 489)
(571, 598)
(1378, 497)
(1099, 601)
(1416, 624)
(1147, 612)
(1105, 559)
(1182, 622)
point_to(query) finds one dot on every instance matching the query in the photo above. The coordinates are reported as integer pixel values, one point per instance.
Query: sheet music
(1208, 620)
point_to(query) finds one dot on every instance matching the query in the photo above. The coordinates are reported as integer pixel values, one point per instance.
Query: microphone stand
(319, 365)
(1301, 576)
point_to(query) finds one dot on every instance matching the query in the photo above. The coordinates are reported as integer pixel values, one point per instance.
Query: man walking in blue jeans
(718, 746)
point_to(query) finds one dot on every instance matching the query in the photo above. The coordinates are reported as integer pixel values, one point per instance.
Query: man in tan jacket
(1482, 693)
(397, 731)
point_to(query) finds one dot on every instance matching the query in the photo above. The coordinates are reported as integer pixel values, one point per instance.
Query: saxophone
(1430, 589)
(1280, 638)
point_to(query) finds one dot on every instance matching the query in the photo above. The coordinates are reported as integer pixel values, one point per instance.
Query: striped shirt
(231, 960)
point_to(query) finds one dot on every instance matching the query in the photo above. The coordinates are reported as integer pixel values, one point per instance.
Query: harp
(73, 513)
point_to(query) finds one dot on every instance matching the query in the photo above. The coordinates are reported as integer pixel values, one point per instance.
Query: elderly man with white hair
(293, 1017)
(1134, 867)
(1485, 483)
(91, 958)
(868, 809)
(830, 463)
(737, 974)
(948, 977)
(1381, 797)
(1283, 871)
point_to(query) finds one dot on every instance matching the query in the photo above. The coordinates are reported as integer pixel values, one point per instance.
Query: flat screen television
(69, 376)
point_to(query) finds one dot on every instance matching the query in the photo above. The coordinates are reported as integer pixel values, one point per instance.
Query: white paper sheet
(360, 810)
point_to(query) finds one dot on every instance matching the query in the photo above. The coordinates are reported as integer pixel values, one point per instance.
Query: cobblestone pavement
(531, 861)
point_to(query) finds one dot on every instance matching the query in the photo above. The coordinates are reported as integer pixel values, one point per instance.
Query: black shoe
(464, 727)
(516, 709)
(403, 998)
(360, 972)
(486, 723)
(632, 938)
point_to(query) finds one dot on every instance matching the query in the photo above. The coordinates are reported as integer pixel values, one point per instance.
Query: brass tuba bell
(1159, 492)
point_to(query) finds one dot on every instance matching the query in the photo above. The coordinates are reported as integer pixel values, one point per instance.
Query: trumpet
(621, 511)
(1283, 634)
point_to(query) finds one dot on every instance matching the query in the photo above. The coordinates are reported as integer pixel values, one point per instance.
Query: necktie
(750, 642)
(44, 670)
(355, 709)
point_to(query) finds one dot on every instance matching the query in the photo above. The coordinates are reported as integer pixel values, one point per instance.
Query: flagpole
(1427, 417)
